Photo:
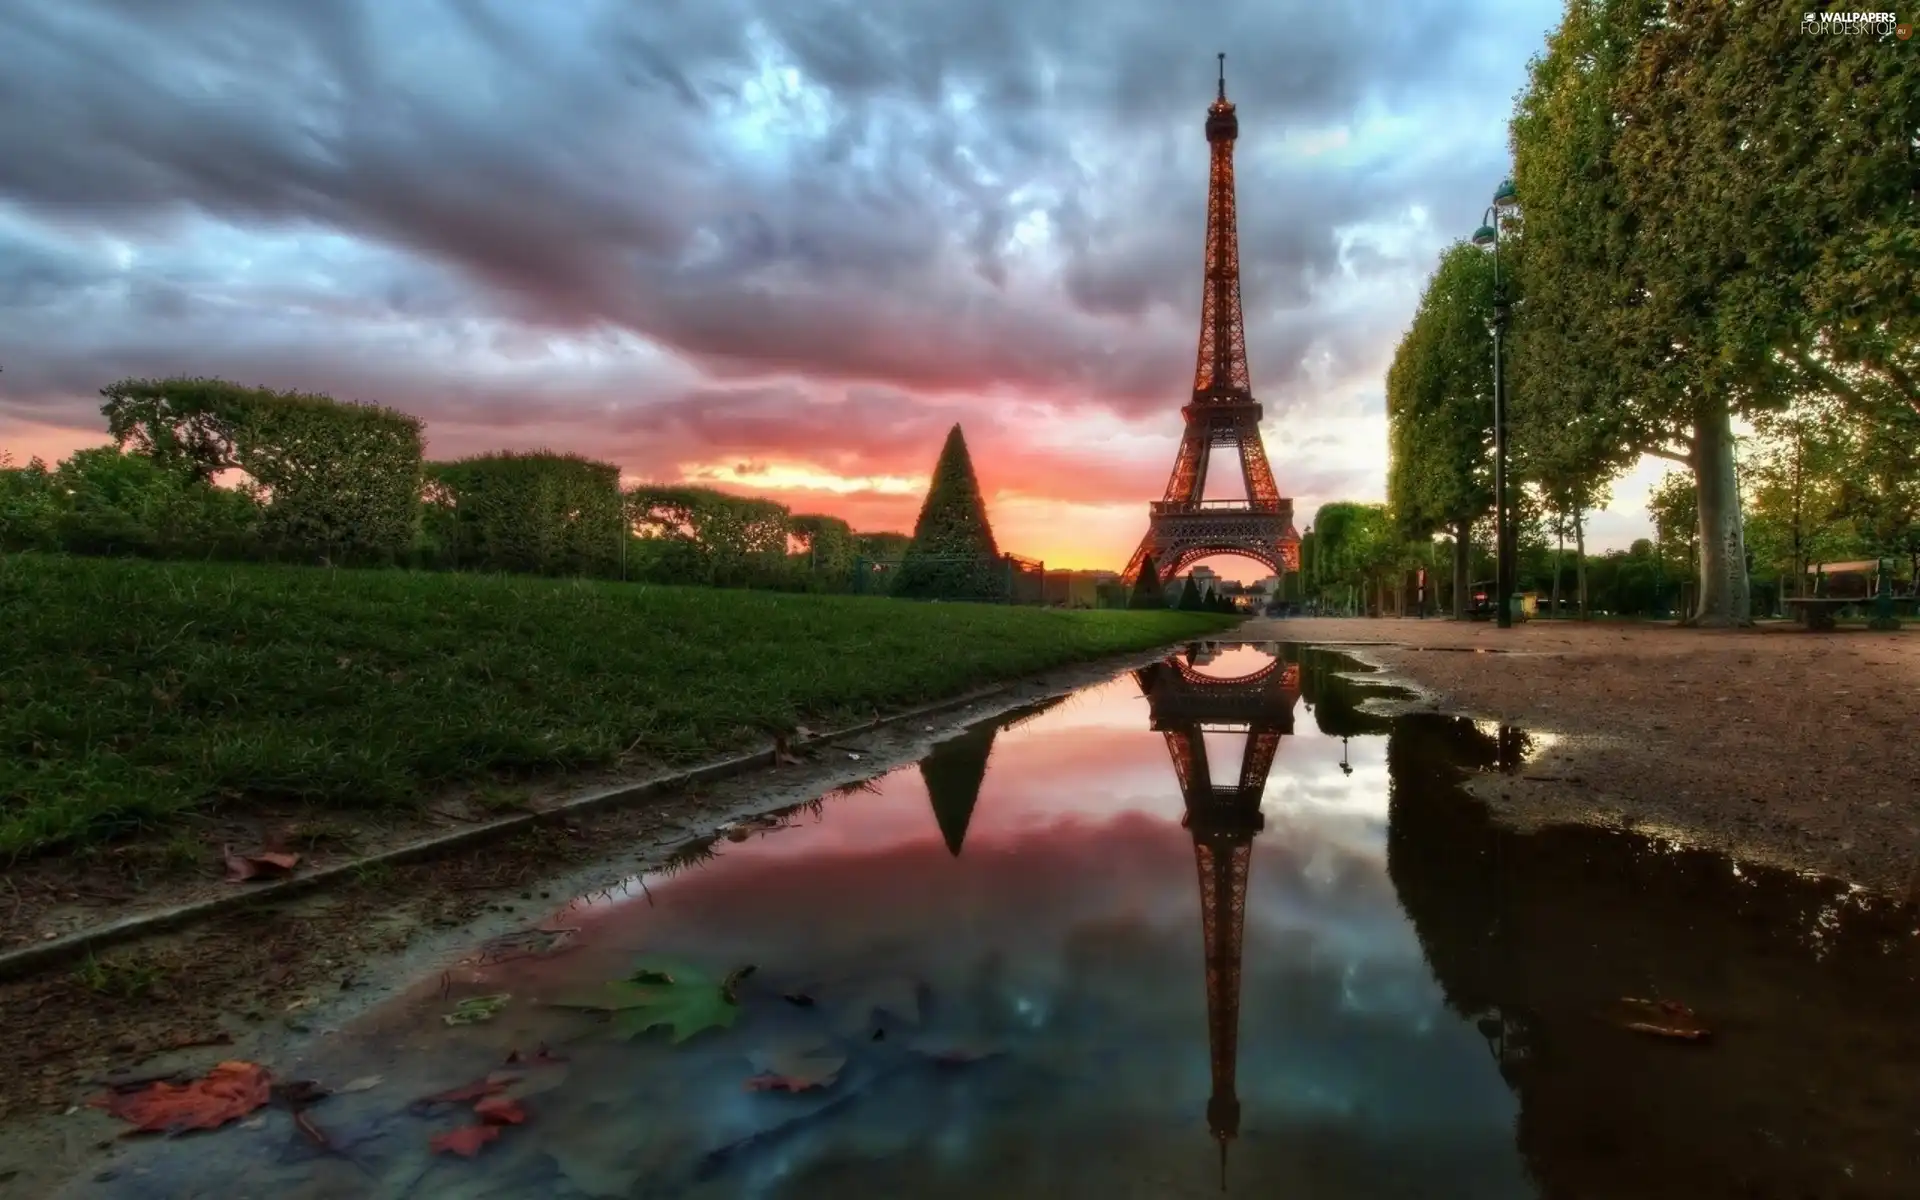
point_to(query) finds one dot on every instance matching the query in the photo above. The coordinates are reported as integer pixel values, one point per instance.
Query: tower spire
(1222, 95)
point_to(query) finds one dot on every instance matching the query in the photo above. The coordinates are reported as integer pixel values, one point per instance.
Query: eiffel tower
(1184, 528)
(1184, 705)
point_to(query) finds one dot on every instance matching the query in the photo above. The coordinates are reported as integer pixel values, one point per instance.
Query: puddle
(1211, 927)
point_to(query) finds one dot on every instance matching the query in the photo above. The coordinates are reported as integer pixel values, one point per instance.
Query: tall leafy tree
(1573, 428)
(1570, 433)
(1190, 600)
(1880, 488)
(953, 554)
(1720, 211)
(1564, 433)
(1359, 552)
(1676, 518)
(1795, 470)
(1440, 408)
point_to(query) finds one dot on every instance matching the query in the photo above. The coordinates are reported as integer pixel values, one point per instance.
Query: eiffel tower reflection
(1223, 819)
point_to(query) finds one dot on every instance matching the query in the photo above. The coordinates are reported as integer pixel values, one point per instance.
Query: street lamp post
(1504, 571)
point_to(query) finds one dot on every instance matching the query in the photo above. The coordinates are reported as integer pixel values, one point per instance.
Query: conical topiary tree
(1190, 597)
(952, 555)
(1147, 590)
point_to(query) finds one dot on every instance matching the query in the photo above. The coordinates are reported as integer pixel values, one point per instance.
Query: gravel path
(1796, 748)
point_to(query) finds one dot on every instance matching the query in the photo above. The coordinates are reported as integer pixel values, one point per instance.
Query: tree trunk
(1726, 594)
(1580, 559)
(1799, 515)
(1559, 550)
(1462, 566)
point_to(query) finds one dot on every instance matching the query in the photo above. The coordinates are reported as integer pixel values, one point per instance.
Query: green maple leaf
(676, 996)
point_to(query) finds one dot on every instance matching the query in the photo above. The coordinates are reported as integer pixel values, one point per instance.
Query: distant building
(1076, 589)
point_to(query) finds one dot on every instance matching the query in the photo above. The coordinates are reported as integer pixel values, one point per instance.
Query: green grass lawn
(131, 691)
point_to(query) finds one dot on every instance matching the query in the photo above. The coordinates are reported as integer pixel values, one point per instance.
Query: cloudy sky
(775, 247)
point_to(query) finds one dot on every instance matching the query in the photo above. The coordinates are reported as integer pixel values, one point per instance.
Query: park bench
(1818, 611)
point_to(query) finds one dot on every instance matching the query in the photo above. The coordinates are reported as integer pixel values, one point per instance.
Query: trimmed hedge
(333, 479)
(540, 513)
(828, 550)
(699, 535)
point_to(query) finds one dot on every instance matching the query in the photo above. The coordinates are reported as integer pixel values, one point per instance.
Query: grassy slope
(132, 690)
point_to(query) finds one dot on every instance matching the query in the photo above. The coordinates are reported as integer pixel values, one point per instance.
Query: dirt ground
(1777, 744)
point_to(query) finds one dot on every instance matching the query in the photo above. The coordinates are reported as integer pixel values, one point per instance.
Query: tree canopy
(1717, 228)
(1440, 399)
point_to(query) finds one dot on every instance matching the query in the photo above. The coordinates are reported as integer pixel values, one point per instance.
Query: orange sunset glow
(777, 251)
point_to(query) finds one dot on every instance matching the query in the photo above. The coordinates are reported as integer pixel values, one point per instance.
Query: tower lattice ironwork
(1184, 527)
(1185, 705)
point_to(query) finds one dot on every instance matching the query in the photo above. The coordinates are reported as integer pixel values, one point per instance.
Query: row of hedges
(203, 468)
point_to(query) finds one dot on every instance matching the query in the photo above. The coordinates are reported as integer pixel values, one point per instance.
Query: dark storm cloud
(583, 173)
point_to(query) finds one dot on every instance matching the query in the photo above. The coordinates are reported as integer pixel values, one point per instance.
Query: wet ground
(1211, 926)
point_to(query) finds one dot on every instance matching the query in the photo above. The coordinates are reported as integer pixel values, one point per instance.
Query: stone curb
(29, 960)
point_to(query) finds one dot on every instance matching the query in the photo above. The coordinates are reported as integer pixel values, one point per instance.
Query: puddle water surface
(1208, 927)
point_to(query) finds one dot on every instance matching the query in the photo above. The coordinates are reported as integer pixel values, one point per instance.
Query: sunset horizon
(760, 252)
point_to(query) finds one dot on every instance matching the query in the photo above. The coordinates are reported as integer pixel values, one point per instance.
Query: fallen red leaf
(261, 864)
(228, 1092)
(500, 1110)
(464, 1141)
